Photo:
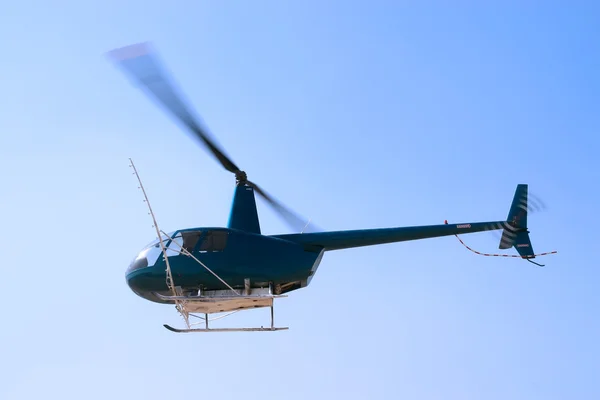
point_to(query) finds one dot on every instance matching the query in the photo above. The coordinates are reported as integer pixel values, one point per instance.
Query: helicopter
(216, 270)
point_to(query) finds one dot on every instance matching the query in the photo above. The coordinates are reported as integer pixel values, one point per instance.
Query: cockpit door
(174, 246)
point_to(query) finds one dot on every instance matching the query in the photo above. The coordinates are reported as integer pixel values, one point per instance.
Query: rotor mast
(244, 214)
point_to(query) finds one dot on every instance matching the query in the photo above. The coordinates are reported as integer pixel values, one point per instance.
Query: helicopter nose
(139, 262)
(137, 273)
(144, 283)
(140, 282)
(142, 278)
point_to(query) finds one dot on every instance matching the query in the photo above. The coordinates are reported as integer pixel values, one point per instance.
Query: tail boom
(338, 240)
(514, 232)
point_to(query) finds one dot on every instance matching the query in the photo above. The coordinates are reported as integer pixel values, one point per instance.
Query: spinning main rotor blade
(293, 220)
(144, 68)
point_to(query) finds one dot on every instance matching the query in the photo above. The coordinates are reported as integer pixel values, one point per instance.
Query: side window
(219, 241)
(214, 241)
(190, 240)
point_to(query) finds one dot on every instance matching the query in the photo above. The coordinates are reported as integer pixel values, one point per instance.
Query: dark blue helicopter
(214, 269)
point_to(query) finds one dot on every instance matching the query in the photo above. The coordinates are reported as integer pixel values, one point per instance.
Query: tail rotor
(515, 232)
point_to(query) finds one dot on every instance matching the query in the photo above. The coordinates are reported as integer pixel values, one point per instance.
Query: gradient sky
(356, 114)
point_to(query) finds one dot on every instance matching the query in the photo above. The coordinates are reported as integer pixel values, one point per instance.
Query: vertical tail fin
(515, 232)
(243, 214)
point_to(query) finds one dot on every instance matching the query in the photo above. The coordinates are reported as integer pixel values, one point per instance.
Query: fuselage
(287, 262)
(231, 254)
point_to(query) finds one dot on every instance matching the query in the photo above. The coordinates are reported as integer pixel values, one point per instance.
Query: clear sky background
(357, 114)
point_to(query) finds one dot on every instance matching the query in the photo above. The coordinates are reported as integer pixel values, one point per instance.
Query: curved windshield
(174, 246)
(148, 256)
(155, 242)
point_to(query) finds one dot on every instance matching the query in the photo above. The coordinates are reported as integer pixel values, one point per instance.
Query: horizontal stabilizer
(523, 245)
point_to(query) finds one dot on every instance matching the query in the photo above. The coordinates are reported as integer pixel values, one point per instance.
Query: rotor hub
(241, 177)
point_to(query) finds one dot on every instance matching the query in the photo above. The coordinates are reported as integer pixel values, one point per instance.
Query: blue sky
(356, 115)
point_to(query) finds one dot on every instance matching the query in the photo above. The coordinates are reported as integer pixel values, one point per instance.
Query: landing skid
(216, 302)
(261, 329)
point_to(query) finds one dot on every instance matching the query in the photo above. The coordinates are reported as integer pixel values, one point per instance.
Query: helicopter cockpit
(190, 240)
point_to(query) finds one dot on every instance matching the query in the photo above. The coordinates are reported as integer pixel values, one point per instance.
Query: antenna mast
(169, 279)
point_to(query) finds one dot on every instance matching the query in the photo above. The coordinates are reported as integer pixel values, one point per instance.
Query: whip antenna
(169, 278)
